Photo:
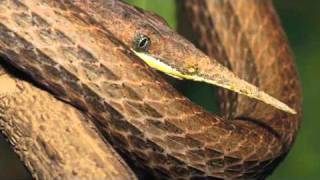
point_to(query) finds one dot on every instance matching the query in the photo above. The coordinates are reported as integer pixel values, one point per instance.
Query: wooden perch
(54, 140)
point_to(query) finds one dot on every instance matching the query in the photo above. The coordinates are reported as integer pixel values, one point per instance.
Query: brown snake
(72, 48)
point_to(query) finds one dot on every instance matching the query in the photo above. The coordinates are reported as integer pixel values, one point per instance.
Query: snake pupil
(142, 43)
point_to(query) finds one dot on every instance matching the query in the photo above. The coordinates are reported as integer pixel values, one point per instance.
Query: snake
(100, 56)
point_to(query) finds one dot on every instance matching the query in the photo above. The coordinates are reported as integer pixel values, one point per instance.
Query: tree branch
(54, 140)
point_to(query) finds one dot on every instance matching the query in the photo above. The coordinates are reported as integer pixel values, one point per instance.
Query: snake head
(153, 41)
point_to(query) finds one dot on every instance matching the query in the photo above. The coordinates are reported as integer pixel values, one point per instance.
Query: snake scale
(71, 48)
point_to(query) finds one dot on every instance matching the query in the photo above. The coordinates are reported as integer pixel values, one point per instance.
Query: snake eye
(142, 43)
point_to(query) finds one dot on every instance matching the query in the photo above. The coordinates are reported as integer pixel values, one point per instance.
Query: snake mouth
(218, 76)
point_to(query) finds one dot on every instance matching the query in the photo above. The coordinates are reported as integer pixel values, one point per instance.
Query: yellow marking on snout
(230, 82)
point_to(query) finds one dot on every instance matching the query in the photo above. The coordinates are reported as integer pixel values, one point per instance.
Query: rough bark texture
(82, 51)
(54, 140)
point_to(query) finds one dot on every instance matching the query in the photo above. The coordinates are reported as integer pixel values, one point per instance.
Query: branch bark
(54, 139)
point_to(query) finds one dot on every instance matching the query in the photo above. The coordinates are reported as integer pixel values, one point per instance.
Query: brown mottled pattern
(70, 48)
(221, 39)
(264, 46)
(49, 136)
(211, 44)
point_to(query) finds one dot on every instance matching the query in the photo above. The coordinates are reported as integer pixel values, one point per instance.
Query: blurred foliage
(301, 20)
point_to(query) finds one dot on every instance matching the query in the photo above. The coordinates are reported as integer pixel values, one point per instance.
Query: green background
(301, 20)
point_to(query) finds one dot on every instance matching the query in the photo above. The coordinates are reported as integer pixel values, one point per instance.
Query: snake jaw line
(159, 65)
(230, 81)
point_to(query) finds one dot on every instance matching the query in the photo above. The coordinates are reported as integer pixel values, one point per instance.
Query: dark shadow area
(11, 168)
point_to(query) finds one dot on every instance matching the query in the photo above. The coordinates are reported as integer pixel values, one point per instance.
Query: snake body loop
(247, 37)
(70, 48)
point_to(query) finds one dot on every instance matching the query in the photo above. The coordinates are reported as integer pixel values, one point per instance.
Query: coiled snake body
(72, 48)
